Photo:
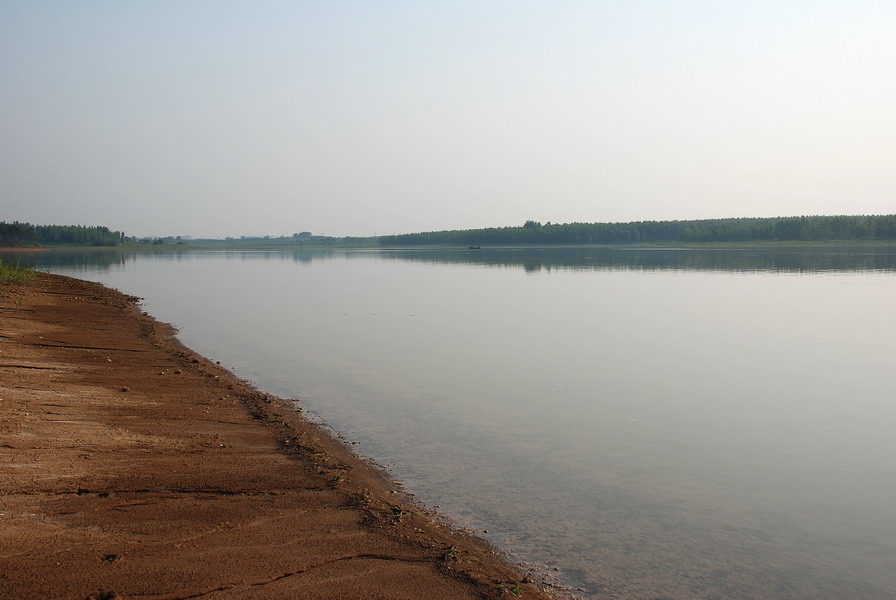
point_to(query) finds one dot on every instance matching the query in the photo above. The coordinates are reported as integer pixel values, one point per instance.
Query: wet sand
(130, 467)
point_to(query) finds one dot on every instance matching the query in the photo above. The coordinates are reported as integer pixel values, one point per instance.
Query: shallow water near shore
(652, 423)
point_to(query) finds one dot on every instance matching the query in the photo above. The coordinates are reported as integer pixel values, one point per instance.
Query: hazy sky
(353, 118)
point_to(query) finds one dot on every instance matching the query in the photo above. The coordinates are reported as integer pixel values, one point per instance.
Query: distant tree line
(774, 229)
(80, 235)
(297, 240)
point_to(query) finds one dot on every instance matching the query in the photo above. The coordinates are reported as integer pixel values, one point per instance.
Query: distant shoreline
(12, 247)
(633, 246)
(719, 232)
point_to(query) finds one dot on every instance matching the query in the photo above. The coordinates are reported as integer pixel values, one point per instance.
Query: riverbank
(132, 467)
(17, 248)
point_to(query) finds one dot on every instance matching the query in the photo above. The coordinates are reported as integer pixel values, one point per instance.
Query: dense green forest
(79, 235)
(775, 229)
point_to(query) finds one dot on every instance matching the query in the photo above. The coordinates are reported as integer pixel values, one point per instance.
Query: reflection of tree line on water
(801, 259)
(796, 260)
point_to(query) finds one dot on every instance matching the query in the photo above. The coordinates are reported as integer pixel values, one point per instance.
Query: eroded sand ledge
(131, 467)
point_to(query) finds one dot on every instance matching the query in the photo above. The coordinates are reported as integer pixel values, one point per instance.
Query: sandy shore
(132, 468)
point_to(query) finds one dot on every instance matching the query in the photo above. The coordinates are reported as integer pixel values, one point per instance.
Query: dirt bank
(132, 468)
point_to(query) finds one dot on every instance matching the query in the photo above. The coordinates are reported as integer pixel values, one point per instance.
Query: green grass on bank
(14, 273)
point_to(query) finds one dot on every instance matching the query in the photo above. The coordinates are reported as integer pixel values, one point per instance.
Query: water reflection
(656, 423)
(793, 259)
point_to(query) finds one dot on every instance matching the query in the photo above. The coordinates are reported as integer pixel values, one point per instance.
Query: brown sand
(132, 468)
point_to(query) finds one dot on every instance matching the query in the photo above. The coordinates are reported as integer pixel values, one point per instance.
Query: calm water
(661, 424)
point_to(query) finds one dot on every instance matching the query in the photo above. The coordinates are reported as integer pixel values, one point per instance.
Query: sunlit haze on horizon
(218, 119)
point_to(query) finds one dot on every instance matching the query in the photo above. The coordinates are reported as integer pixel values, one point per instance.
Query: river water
(656, 423)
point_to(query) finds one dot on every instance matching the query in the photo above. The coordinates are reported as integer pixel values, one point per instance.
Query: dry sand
(130, 467)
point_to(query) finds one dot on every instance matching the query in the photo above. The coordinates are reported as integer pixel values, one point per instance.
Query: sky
(219, 118)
